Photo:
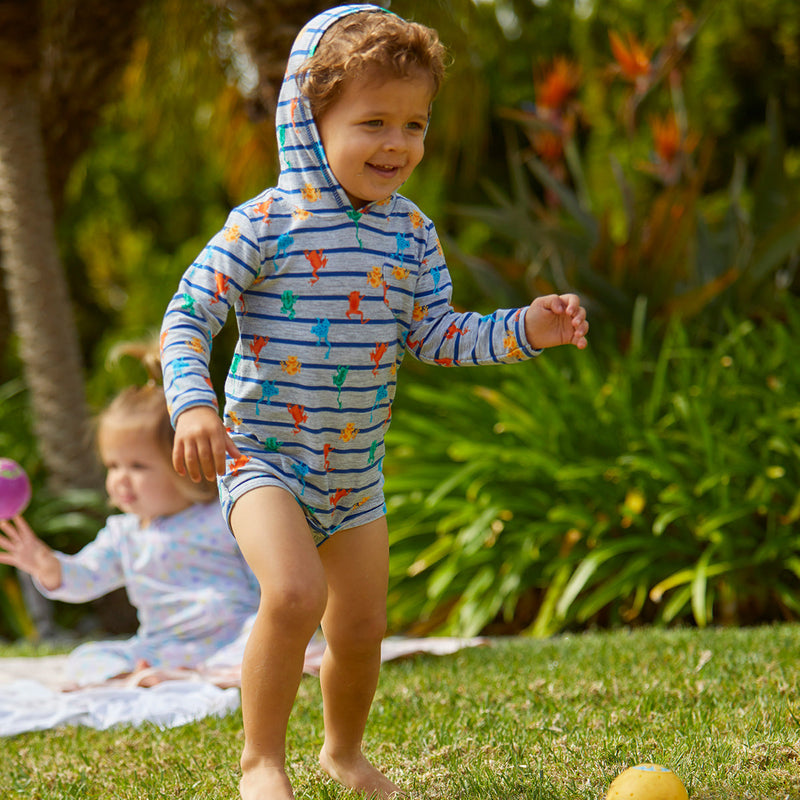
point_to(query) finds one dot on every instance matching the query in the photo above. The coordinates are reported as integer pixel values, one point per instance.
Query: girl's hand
(556, 319)
(201, 443)
(20, 547)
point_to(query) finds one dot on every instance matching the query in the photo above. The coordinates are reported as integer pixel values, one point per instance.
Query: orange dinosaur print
(340, 494)
(453, 330)
(349, 432)
(314, 257)
(412, 343)
(238, 463)
(355, 299)
(298, 212)
(512, 345)
(377, 354)
(292, 365)
(263, 209)
(326, 451)
(221, 282)
(298, 414)
(232, 233)
(196, 345)
(401, 273)
(417, 219)
(257, 345)
(420, 312)
(234, 419)
(311, 193)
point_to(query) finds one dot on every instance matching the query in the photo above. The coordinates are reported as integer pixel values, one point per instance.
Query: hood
(305, 173)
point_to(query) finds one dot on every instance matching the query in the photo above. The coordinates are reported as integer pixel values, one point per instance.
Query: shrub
(577, 490)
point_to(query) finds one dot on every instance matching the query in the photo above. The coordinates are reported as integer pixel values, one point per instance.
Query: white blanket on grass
(32, 695)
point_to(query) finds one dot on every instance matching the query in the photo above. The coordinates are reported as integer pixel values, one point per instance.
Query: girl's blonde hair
(373, 42)
(143, 409)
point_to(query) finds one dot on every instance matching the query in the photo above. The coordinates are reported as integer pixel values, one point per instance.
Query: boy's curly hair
(372, 42)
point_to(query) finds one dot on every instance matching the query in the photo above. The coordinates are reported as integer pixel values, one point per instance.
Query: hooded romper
(327, 300)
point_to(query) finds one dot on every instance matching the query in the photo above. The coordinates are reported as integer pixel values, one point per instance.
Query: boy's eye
(374, 123)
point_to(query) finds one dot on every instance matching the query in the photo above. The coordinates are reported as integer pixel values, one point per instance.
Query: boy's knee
(293, 605)
(364, 632)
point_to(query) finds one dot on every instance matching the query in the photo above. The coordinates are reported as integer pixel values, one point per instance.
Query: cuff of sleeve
(522, 337)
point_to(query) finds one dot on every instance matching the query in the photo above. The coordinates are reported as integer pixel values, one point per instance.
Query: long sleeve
(440, 335)
(93, 572)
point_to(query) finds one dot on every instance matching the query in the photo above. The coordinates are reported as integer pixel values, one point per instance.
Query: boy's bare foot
(361, 776)
(265, 783)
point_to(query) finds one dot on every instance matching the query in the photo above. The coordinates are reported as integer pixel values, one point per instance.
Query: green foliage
(575, 490)
(615, 189)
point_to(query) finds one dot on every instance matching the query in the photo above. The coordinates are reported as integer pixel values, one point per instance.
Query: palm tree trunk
(37, 291)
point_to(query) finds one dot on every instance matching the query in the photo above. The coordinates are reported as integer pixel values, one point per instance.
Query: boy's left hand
(556, 319)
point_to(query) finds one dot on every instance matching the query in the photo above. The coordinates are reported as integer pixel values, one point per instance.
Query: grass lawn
(550, 720)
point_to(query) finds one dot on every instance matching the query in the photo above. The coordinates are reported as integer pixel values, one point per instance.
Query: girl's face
(374, 134)
(140, 479)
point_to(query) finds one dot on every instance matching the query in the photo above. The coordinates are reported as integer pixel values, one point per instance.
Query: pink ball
(15, 489)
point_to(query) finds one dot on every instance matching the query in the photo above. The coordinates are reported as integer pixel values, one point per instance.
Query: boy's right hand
(201, 443)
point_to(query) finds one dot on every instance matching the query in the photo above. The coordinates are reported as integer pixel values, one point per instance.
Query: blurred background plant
(574, 492)
(616, 191)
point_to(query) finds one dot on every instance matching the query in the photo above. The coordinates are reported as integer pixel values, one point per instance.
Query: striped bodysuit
(327, 299)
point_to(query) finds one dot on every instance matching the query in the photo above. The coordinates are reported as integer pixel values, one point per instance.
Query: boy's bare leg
(356, 563)
(277, 544)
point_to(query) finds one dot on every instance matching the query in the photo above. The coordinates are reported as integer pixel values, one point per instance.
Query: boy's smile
(374, 135)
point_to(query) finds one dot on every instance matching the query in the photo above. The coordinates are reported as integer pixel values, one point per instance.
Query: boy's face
(374, 133)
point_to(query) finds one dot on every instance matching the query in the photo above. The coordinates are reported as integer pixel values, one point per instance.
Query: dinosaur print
(237, 464)
(257, 345)
(339, 495)
(298, 414)
(301, 470)
(311, 193)
(314, 257)
(338, 381)
(348, 433)
(268, 391)
(320, 330)
(292, 365)
(221, 283)
(355, 298)
(402, 245)
(288, 302)
(372, 448)
(377, 354)
(380, 396)
(285, 241)
(453, 330)
(263, 210)
(417, 220)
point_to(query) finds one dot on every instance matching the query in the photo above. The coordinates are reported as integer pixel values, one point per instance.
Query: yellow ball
(647, 782)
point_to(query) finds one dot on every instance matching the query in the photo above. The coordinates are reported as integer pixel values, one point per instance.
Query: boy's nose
(394, 139)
